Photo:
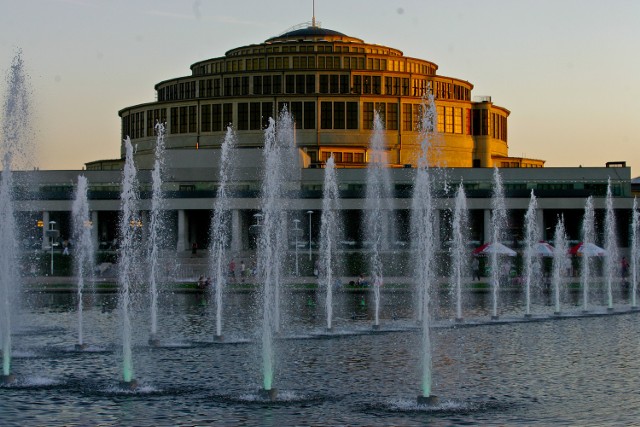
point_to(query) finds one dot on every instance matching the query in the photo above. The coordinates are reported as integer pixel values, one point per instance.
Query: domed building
(332, 84)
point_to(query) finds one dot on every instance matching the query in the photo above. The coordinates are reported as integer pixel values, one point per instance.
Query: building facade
(332, 84)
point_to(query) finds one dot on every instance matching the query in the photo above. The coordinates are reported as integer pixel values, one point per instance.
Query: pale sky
(568, 70)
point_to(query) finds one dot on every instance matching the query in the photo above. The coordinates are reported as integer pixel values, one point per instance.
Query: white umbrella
(494, 248)
(543, 249)
(587, 249)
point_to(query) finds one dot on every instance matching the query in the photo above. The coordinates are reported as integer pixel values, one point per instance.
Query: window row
(297, 62)
(305, 84)
(215, 117)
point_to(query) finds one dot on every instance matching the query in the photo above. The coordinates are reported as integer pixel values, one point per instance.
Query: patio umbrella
(587, 249)
(491, 248)
(543, 249)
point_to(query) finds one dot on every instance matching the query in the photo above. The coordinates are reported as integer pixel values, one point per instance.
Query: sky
(568, 70)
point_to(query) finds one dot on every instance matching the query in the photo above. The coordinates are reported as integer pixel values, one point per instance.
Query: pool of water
(568, 371)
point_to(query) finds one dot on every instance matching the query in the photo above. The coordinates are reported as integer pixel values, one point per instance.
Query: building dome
(334, 85)
(311, 32)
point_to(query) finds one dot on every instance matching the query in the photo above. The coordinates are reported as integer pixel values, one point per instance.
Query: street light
(52, 234)
(296, 231)
(310, 212)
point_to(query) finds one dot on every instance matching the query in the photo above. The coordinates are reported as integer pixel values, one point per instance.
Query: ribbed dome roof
(311, 32)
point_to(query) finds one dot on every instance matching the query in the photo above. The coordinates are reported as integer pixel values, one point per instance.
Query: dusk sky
(568, 70)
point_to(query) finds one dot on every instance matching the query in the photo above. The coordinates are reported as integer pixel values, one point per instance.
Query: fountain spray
(156, 228)
(220, 226)
(377, 212)
(83, 248)
(329, 232)
(127, 257)
(423, 240)
(530, 260)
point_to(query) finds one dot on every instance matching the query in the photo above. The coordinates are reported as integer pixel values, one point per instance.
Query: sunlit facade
(332, 84)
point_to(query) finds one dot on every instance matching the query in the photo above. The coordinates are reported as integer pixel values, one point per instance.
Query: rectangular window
(325, 115)
(388, 85)
(236, 86)
(381, 108)
(277, 84)
(290, 84)
(296, 112)
(448, 119)
(352, 115)
(216, 117)
(366, 84)
(347, 157)
(216, 87)
(338, 115)
(267, 112)
(405, 87)
(227, 86)
(310, 80)
(357, 84)
(257, 85)
(324, 83)
(266, 85)
(334, 86)
(392, 116)
(184, 117)
(377, 83)
(310, 115)
(407, 118)
(300, 84)
(367, 115)
(457, 120)
(193, 119)
(243, 116)
(440, 112)
(337, 157)
(227, 115)
(344, 83)
(467, 122)
(205, 118)
(150, 123)
(358, 157)
(254, 116)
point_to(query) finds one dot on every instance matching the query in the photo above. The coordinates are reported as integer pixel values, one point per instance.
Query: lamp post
(52, 234)
(309, 212)
(296, 231)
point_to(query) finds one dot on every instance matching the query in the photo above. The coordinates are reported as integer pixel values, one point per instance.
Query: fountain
(459, 255)
(220, 226)
(127, 259)
(498, 234)
(329, 232)
(530, 261)
(635, 247)
(379, 226)
(156, 231)
(588, 237)
(610, 246)
(15, 127)
(561, 262)
(278, 161)
(83, 249)
(424, 240)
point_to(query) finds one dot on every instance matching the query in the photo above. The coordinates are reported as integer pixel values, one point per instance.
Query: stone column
(486, 223)
(540, 224)
(45, 227)
(236, 231)
(436, 229)
(182, 231)
(94, 229)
